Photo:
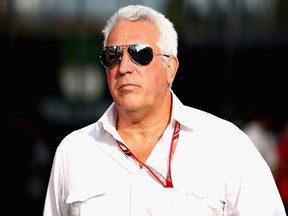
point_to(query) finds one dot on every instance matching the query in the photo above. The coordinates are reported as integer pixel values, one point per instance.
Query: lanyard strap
(166, 182)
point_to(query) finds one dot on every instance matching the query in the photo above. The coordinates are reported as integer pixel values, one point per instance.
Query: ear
(172, 68)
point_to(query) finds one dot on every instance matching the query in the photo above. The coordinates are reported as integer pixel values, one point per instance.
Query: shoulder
(204, 121)
(78, 138)
(200, 120)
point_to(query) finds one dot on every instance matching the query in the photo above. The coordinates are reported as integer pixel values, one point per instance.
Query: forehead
(129, 32)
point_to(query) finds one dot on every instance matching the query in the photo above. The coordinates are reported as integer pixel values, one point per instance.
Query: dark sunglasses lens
(111, 55)
(140, 53)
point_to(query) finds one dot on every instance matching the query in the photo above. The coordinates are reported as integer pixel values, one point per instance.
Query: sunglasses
(141, 54)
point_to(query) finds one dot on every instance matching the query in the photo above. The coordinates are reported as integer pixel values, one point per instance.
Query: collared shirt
(216, 170)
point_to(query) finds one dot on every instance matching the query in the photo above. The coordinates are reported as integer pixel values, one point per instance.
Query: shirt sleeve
(257, 192)
(54, 205)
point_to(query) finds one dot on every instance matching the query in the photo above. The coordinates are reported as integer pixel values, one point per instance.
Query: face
(135, 87)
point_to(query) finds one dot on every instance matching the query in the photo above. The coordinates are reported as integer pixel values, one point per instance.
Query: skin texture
(141, 93)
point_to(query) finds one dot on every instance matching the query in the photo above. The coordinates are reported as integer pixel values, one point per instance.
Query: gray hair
(168, 40)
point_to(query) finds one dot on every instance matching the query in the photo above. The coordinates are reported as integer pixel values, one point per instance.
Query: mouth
(127, 86)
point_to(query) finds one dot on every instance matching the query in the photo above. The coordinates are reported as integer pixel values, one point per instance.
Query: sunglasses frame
(118, 50)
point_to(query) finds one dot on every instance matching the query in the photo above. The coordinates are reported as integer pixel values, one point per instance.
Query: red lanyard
(166, 182)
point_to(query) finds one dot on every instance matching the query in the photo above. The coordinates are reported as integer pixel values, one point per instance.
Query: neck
(145, 120)
(142, 134)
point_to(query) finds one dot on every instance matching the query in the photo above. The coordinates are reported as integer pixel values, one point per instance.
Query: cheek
(161, 77)
(110, 81)
(109, 77)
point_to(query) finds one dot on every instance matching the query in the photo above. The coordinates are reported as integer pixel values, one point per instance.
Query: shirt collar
(180, 112)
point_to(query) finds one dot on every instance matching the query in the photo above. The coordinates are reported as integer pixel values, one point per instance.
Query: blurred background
(233, 63)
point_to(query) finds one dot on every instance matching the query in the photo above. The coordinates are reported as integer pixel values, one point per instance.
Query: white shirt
(216, 170)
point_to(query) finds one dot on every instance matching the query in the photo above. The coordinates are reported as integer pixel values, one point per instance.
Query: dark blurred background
(233, 55)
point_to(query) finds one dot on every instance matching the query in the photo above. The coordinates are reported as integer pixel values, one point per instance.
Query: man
(149, 154)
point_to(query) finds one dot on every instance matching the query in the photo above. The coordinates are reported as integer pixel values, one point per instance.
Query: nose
(126, 63)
